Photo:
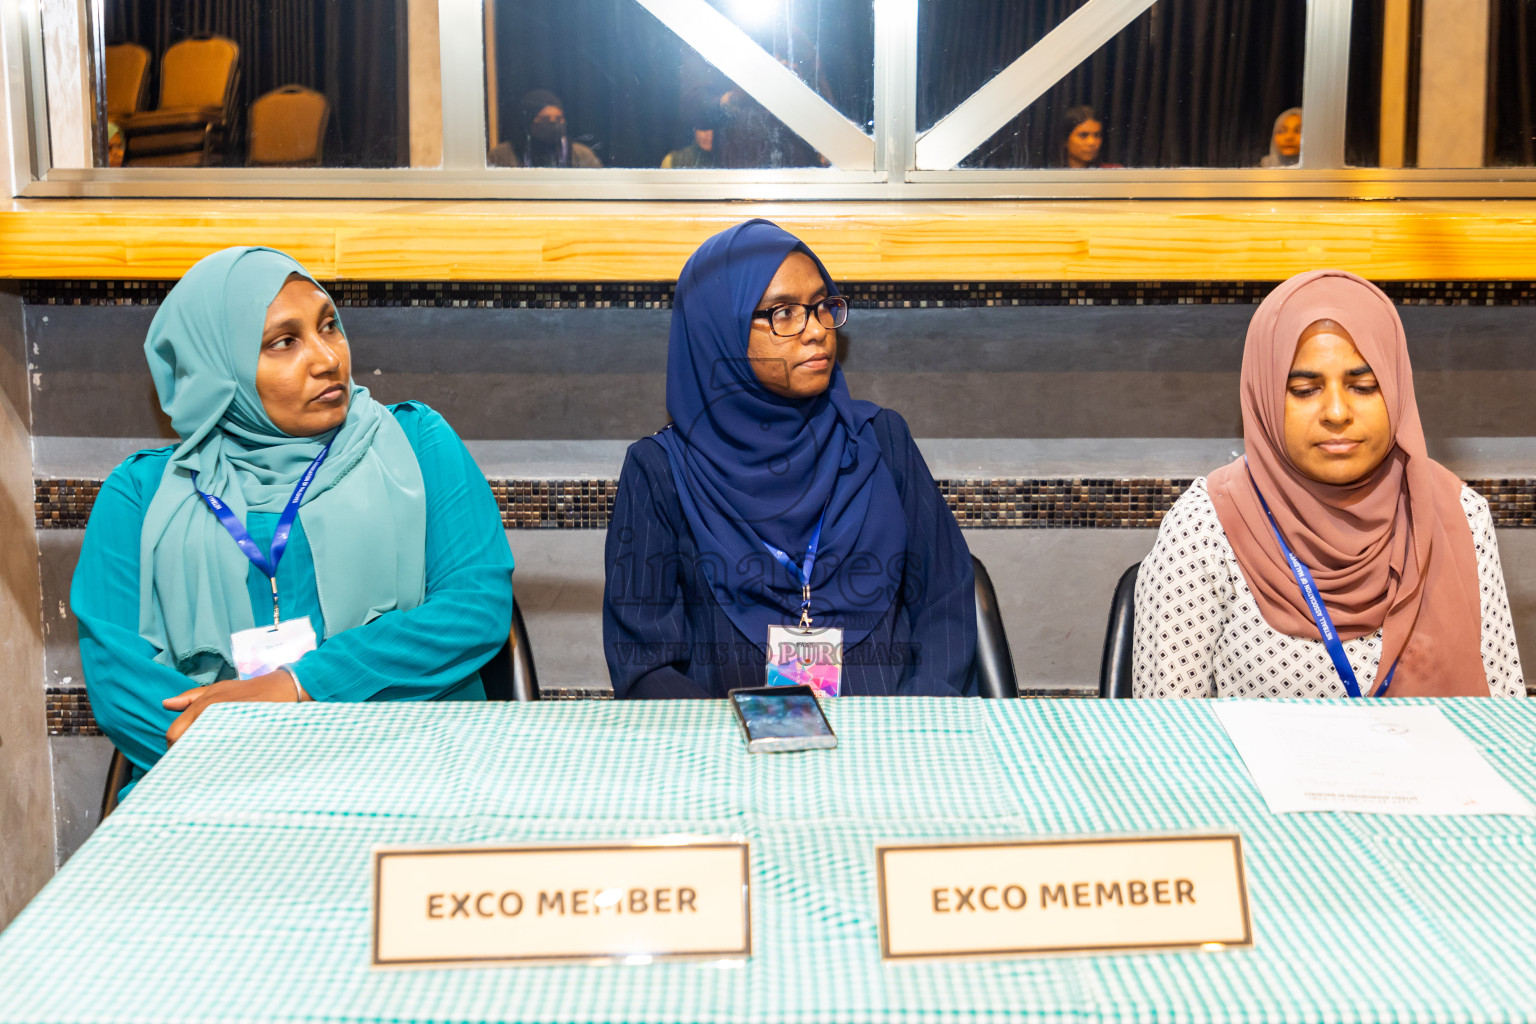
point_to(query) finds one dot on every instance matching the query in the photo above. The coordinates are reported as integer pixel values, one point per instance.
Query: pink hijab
(1392, 551)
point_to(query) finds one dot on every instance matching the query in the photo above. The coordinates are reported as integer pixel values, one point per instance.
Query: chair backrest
(994, 660)
(118, 774)
(198, 73)
(1119, 638)
(126, 79)
(510, 674)
(288, 127)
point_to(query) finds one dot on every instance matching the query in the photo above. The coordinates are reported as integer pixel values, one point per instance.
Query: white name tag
(468, 905)
(999, 899)
(806, 657)
(265, 648)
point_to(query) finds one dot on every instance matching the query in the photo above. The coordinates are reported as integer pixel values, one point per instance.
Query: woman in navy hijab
(770, 471)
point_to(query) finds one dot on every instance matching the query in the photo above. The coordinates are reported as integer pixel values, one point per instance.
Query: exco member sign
(1058, 896)
(474, 904)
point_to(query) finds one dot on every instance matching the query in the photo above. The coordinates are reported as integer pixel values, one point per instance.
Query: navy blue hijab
(753, 467)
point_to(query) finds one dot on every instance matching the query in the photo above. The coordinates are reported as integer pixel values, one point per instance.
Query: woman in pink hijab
(1336, 558)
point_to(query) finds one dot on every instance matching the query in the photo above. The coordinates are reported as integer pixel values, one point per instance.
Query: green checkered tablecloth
(233, 884)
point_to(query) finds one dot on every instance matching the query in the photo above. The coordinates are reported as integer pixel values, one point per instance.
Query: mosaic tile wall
(865, 295)
(69, 709)
(69, 712)
(1076, 504)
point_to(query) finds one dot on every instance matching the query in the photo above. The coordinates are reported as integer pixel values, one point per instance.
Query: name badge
(1005, 899)
(471, 905)
(806, 657)
(265, 648)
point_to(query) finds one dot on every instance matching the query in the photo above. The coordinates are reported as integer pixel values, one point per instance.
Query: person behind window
(701, 152)
(1081, 144)
(1284, 140)
(544, 135)
(396, 570)
(753, 137)
(117, 145)
(769, 465)
(1398, 553)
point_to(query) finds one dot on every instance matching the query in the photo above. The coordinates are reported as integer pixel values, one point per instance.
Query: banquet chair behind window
(197, 90)
(287, 128)
(994, 661)
(1119, 638)
(127, 79)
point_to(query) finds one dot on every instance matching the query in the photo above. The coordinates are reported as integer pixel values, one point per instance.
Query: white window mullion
(461, 40)
(71, 95)
(895, 86)
(1324, 84)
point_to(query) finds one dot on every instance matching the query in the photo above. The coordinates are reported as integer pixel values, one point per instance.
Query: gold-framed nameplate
(1006, 899)
(479, 905)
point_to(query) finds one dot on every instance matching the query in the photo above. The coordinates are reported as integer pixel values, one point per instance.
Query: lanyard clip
(274, 600)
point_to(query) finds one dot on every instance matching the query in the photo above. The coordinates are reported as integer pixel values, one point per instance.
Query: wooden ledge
(1145, 240)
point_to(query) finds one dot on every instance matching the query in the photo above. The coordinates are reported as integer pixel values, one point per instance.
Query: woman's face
(1083, 144)
(304, 373)
(1288, 136)
(548, 124)
(1336, 426)
(798, 367)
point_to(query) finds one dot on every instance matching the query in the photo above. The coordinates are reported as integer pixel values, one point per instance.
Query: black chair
(1119, 638)
(118, 774)
(994, 660)
(509, 675)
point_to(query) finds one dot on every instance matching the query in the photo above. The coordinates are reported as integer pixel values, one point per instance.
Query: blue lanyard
(803, 574)
(285, 521)
(1315, 605)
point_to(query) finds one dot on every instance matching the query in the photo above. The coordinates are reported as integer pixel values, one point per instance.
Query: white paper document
(1368, 757)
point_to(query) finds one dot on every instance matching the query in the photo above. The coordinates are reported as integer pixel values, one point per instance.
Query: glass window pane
(1188, 83)
(1512, 84)
(1442, 84)
(963, 46)
(603, 83)
(186, 83)
(1370, 58)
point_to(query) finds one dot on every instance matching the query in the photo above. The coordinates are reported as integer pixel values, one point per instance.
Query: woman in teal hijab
(393, 548)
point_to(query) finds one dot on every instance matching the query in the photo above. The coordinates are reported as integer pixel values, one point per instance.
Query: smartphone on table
(780, 718)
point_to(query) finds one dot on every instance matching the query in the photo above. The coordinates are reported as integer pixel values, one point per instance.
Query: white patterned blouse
(1199, 632)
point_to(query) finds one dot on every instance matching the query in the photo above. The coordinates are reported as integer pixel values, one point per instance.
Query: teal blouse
(431, 652)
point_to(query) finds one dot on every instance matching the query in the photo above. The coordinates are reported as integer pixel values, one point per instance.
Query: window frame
(893, 171)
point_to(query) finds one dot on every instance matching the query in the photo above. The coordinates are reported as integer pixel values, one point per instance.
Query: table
(233, 884)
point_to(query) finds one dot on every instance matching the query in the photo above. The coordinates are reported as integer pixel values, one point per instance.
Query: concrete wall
(1026, 372)
(26, 792)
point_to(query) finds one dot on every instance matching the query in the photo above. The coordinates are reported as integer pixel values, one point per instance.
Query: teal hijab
(364, 514)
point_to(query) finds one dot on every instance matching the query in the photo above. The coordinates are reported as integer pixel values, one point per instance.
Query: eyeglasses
(789, 319)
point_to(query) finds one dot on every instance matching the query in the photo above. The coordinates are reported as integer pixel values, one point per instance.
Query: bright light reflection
(725, 965)
(608, 897)
(637, 961)
(752, 13)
